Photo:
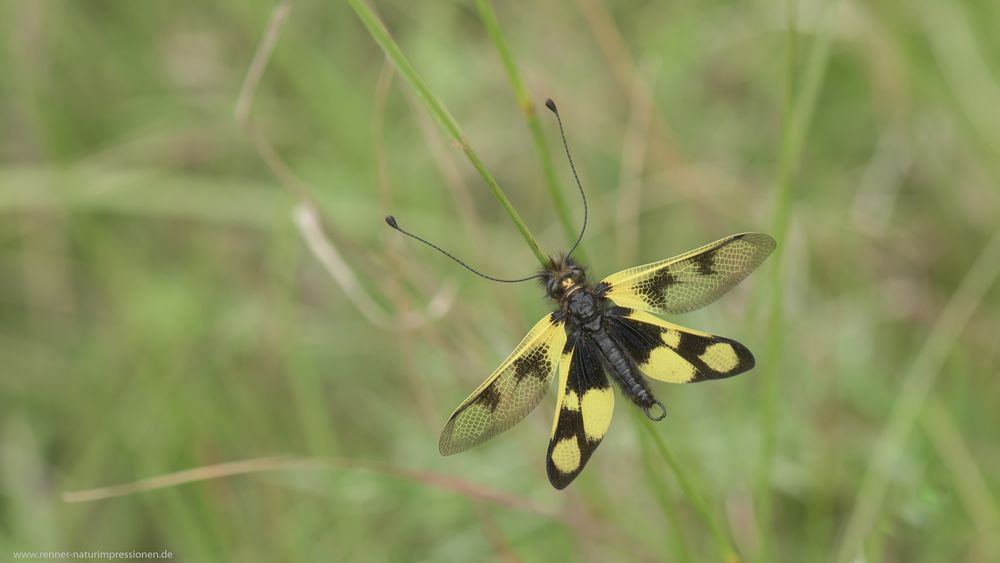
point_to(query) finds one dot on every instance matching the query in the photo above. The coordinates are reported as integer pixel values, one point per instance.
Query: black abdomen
(624, 370)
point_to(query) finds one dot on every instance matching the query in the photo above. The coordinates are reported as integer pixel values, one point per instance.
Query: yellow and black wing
(510, 393)
(583, 412)
(671, 353)
(692, 280)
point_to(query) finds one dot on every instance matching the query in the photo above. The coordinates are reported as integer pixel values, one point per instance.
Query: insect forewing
(692, 280)
(510, 393)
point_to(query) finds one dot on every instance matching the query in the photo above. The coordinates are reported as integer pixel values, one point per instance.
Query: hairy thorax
(583, 306)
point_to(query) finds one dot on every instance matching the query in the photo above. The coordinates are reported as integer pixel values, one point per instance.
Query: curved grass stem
(439, 112)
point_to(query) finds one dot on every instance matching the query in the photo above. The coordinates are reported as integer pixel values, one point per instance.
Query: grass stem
(527, 107)
(799, 108)
(888, 448)
(725, 546)
(440, 113)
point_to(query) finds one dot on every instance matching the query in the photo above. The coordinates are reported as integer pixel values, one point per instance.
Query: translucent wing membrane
(510, 393)
(692, 280)
(671, 353)
(583, 412)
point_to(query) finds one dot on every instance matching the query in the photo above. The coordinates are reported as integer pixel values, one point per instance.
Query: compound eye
(551, 286)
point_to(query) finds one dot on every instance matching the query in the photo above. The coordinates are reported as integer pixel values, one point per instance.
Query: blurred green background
(161, 311)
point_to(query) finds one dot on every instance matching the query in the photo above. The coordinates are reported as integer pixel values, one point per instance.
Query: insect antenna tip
(391, 221)
(551, 105)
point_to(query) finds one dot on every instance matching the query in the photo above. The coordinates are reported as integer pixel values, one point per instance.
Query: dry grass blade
(310, 227)
(272, 464)
(472, 491)
(259, 62)
(204, 473)
(306, 214)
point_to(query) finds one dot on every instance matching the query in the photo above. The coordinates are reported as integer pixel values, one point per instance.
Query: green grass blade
(801, 104)
(437, 110)
(527, 106)
(726, 550)
(662, 496)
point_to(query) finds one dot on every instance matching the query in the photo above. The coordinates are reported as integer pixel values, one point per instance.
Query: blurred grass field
(161, 311)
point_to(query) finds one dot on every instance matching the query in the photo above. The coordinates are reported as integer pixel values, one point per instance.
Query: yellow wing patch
(666, 365)
(721, 357)
(572, 402)
(692, 280)
(510, 393)
(597, 407)
(566, 455)
(671, 338)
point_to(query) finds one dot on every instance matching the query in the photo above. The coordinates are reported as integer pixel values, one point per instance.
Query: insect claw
(649, 415)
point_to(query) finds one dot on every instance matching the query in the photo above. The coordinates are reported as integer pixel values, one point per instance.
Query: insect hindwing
(675, 354)
(583, 412)
(510, 393)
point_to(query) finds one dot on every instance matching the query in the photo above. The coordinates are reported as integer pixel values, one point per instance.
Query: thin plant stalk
(527, 107)
(436, 108)
(726, 550)
(660, 493)
(800, 105)
(912, 396)
(970, 485)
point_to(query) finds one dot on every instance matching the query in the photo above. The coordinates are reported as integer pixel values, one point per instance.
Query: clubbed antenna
(391, 221)
(552, 107)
